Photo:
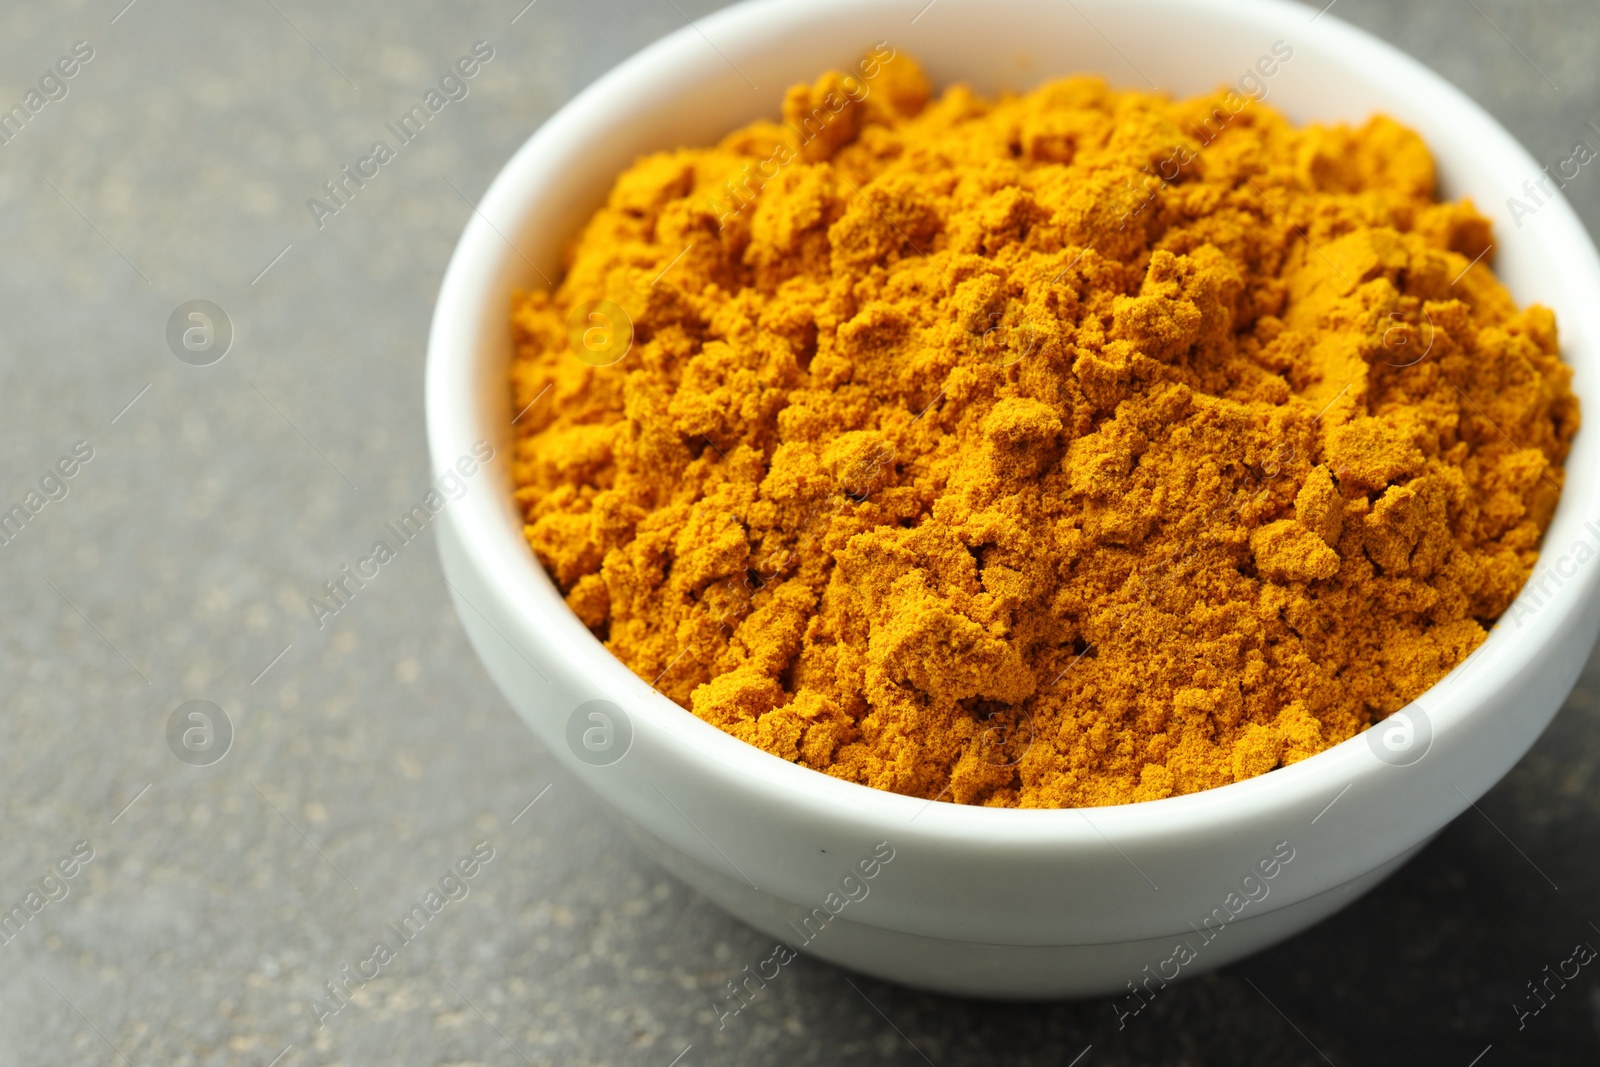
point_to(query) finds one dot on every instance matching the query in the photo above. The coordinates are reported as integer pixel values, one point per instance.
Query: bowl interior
(697, 84)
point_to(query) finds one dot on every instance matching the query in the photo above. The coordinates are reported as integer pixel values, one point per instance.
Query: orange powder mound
(1073, 448)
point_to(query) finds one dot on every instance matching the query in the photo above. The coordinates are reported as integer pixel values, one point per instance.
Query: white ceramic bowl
(998, 902)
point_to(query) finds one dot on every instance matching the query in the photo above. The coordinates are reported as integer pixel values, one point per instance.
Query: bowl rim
(524, 592)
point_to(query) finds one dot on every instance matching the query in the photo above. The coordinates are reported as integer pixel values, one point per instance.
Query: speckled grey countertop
(370, 755)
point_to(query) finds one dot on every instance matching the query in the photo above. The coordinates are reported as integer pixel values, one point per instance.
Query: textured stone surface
(376, 752)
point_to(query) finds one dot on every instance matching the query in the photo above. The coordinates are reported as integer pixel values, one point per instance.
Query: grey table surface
(374, 752)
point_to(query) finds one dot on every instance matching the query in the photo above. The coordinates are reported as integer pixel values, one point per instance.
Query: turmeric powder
(1077, 447)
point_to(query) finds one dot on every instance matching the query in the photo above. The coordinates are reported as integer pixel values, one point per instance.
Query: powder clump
(1078, 447)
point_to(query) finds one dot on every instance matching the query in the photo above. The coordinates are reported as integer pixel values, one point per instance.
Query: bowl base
(1008, 972)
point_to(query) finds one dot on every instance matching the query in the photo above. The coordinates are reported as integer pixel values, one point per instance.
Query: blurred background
(229, 858)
